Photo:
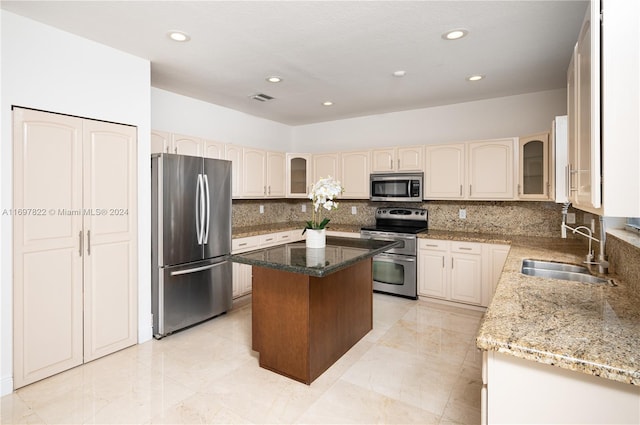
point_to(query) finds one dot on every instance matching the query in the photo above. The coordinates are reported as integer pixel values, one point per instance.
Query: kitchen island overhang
(311, 305)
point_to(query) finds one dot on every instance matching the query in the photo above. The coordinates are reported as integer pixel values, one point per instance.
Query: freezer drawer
(190, 293)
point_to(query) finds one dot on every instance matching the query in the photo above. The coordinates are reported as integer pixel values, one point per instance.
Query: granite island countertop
(586, 328)
(295, 257)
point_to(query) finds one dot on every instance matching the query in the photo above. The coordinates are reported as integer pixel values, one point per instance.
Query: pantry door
(110, 268)
(47, 241)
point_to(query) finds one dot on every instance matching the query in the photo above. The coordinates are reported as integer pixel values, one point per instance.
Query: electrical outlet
(462, 213)
(571, 218)
(354, 210)
(304, 208)
(261, 209)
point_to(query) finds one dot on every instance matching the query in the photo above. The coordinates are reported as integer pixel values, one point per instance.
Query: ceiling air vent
(261, 97)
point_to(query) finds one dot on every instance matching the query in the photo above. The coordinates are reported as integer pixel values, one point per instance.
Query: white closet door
(47, 263)
(110, 272)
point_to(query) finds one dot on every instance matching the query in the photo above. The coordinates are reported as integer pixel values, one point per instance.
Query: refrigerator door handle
(199, 208)
(205, 238)
(196, 269)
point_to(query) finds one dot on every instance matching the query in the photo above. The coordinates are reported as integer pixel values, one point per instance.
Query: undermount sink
(553, 270)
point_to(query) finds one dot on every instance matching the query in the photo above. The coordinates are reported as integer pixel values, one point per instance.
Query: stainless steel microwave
(397, 187)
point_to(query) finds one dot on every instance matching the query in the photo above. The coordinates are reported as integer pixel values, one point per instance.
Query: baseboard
(6, 386)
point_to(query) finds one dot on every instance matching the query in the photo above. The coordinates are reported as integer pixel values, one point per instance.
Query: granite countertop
(295, 257)
(593, 329)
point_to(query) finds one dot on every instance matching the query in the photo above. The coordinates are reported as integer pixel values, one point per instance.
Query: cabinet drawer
(244, 244)
(433, 244)
(466, 247)
(268, 240)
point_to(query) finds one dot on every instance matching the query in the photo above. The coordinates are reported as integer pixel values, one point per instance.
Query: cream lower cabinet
(519, 391)
(464, 272)
(75, 242)
(242, 274)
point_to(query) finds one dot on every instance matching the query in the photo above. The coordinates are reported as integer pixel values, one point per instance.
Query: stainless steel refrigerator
(191, 240)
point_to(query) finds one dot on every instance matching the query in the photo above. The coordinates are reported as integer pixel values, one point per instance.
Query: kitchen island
(310, 305)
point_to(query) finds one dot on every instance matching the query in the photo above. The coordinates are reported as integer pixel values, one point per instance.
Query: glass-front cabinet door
(298, 175)
(534, 181)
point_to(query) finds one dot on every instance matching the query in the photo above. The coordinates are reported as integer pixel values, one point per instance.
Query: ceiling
(342, 51)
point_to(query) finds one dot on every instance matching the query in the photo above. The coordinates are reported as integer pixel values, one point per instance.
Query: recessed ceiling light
(477, 77)
(399, 73)
(274, 79)
(327, 103)
(455, 34)
(178, 36)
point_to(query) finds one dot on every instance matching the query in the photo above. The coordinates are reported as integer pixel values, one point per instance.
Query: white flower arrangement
(323, 194)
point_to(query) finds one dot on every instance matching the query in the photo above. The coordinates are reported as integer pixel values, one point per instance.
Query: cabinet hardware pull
(88, 242)
(391, 163)
(175, 150)
(443, 261)
(460, 190)
(264, 190)
(469, 190)
(433, 246)
(518, 189)
(242, 244)
(465, 248)
(269, 191)
(451, 262)
(398, 163)
(80, 239)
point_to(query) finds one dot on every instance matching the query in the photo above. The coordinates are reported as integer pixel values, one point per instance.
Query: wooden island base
(302, 324)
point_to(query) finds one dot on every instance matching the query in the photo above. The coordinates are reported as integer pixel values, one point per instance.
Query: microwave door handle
(409, 187)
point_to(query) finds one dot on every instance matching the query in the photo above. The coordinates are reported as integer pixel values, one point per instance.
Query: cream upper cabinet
(490, 167)
(213, 149)
(263, 173)
(298, 175)
(325, 165)
(160, 141)
(187, 145)
(276, 174)
(355, 174)
(254, 169)
(444, 171)
(406, 158)
(75, 259)
(233, 153)
(584, 116)
(533, 176)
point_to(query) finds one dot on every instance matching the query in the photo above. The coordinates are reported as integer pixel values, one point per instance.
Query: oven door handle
(394, 257)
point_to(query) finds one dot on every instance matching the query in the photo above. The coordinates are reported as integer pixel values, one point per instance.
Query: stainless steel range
(395, 270)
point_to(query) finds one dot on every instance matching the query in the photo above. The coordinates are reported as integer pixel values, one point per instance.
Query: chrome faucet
(589, 256)
(603, 264)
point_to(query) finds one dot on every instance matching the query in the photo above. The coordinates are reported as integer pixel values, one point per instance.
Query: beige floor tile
(348, 403)
(418, 365)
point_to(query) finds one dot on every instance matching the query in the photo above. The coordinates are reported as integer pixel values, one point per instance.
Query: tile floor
(418, 365)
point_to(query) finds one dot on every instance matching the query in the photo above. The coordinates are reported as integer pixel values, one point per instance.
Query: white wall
(44, 68)
(485, 119)
(185, 115)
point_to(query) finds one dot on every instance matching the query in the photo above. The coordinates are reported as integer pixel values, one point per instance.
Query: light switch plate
(304, 208)
(354, 210)
(261, 209)
(462, 213)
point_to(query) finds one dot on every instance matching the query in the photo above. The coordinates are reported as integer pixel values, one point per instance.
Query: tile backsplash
(511, 218)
